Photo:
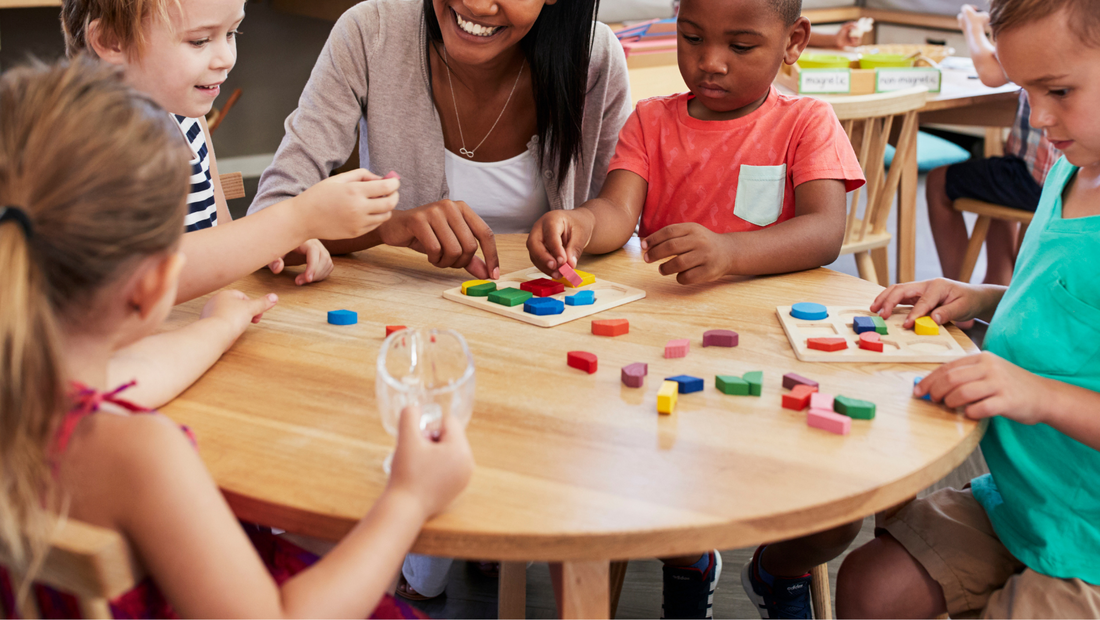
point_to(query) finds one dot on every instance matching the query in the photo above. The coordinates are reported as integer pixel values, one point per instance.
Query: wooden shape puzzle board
(608, 295)
(899, 345)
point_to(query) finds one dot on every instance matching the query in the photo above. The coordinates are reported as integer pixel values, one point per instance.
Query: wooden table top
(570, 466)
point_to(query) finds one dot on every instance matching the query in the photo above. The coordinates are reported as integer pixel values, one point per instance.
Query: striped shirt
(202, 211)
(1030, 144)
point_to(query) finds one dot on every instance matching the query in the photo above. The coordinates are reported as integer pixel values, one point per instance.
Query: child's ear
(798, 37)
(158, 282)
(105, 45)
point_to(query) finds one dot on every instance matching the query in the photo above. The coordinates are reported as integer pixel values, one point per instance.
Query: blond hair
(101, 173)
(1084, 16)
(119, 21)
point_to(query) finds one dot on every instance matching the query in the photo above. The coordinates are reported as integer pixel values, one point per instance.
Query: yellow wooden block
(586, 279)
(925, 326)
(666, 397)
(467, 284)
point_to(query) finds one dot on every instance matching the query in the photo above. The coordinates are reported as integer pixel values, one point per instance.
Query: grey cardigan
(373, 71)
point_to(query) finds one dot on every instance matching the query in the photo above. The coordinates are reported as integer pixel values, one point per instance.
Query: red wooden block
(611, 327)
(829, 421)
(582, 360)
(542, 287)
(393, 328)
(871, 341)
(798, 398)
(827, 344)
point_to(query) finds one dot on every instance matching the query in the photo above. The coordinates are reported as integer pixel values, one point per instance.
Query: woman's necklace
(450, 84)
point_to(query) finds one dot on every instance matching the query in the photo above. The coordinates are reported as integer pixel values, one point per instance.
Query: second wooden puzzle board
(608, 295)
(900, 344)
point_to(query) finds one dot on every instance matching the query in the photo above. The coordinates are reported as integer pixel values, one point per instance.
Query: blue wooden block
(583, 298)
(542, 306)
(343, 317)
(917, 380)
(688, 384)
(863, 324)
(807, 311)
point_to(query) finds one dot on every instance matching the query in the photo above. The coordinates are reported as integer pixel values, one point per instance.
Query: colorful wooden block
(807, 311)
(880, 325)
(863, 324)
(870, 341)
(569, 275)
(677, 348)
(798, 398)
(543, 306)
(343, 317)
(586, 279)
(827, 344)
(633, 375)
(819, 400)
(582, 360)
(666, 397)
(734, 386)
(542, 287)
(720, 338)
(854, 408)
(755, 379)
(688, 384)
(394, 328)
(471, 283)
(582, 298)
(509, 296)
(927, 396)
(392, 175)
(610, 327)
(791, 379)
(925, 326)
(481, 290)
(829, 421)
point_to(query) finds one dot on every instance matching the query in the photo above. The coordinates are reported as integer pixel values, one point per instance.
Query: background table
(571, 467)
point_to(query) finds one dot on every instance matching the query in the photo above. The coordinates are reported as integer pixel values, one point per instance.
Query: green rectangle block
(509, 296)
(734, 386)
(854, 408)
(481, 290)
(755, 379)
(880, 325)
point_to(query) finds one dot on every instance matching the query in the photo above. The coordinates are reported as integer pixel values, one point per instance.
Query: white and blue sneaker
(784, 598)
(689, 590)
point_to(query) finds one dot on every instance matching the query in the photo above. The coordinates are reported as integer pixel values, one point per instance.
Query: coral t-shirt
(732, 176)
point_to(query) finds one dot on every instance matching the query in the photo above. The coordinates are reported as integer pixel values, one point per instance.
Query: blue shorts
(1004, 181)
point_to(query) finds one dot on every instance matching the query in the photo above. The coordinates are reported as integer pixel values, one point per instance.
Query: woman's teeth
(475, 29)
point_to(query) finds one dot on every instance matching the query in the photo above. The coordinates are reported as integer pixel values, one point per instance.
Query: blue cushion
(933, 152)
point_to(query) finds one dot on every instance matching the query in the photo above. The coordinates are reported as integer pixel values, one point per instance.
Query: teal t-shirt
(1043, 495)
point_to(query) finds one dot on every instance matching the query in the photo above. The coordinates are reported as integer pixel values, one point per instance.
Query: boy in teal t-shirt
(1024, 540)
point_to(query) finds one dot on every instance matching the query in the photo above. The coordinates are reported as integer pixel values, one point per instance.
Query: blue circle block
(542, 306)
(343, 317)
(807, 311)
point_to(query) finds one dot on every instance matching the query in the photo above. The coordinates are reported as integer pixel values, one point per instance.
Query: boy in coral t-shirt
(704, 169)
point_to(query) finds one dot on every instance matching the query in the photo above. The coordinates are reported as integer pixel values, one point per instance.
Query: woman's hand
(433, 470)
(237, 310)
(559, 237)
(449, 232)
(987, 385)
(944, 300)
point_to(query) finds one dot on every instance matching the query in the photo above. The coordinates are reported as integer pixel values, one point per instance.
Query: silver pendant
(469, 154)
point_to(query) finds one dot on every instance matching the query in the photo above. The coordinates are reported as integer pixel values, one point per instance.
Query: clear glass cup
(430, 368)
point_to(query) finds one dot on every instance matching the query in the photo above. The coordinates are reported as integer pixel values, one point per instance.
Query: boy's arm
(982, 51)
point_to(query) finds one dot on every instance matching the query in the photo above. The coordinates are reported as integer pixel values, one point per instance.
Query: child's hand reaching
(701, 255)
(316, 257)
(433, 471)
(347, 205)
(559, 237)
(987, 385)
(238, 310)
(943, 300)
(971, 18)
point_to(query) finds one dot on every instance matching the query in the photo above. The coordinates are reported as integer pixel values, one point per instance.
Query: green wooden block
(755, 379)
(854, 408)
(880, 325)
(734, 386)
(481, 290)
(509, 296)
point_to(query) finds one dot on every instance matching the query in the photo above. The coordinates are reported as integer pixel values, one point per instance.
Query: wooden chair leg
(616, 576)
(882, 265)
(866, 266)
(974, 248)
(819, 592)
(512, 591)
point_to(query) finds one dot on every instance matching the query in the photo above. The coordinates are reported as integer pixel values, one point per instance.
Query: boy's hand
(432, 470)
(559, 237)
(348, 205)
(987, 385)
(701, 255)
(316, 257)
(237, 310)
(449, 232)
(943, 300)
(848, 36)
(971, 17)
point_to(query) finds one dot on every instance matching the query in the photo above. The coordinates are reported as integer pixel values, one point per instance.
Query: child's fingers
(987, 408)
(900, 294)
(681, 263)
(276, 266)
(356, 176)
(669, 247)
(659, 237)
(257, 307)
(408, 427)
(314, 252)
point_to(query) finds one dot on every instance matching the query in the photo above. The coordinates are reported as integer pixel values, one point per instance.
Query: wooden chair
(93, 564)
(232, 185)
(869, 120)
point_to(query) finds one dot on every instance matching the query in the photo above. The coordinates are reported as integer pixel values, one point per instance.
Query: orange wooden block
(611, 327)
(871, 341)
(798, 398)
(393, 328)
(827, 344)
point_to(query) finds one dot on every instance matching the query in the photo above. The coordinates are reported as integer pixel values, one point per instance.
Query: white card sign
(824, 81)
(888, 80)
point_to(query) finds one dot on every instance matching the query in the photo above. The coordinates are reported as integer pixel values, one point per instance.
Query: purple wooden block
(790, 380)
(719, 338)
(633, 375)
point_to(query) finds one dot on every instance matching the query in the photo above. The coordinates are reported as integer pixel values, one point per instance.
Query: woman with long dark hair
(492, 111)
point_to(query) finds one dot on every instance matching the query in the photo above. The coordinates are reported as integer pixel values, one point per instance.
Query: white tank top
(509, 195)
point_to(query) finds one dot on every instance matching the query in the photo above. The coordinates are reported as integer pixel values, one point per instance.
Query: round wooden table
(571, 467)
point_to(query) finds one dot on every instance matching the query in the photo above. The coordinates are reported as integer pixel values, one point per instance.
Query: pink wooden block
(567, 272)
(720, 338)
(821, 401)
(633, 375)
(392, 175)
(829, 421)
(677, 348)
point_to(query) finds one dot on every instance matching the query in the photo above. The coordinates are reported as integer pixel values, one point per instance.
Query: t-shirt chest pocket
(760, 191)
(1076, 323)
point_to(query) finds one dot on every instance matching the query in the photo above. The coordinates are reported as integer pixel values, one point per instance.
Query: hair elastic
(19, 216)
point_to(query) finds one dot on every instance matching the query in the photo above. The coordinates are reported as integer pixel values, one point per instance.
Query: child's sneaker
(785, 598)
(689, 590)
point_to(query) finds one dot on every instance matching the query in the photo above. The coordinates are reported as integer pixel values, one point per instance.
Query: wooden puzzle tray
(899, 345)
(608, 295)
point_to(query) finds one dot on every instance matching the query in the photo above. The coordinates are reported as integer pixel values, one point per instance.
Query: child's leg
(881, 580)
(1000, 251)
(796, 557)
(948, 226)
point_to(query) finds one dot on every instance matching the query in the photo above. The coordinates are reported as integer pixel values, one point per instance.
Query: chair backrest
(93, 564)
(232, 185)
(868, 120)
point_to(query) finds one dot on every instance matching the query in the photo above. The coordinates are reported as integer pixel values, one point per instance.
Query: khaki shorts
(950, 535)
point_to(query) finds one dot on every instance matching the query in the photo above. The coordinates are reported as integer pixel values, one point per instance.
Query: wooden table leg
(582, 589)
(512, 591)
(907, 215)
